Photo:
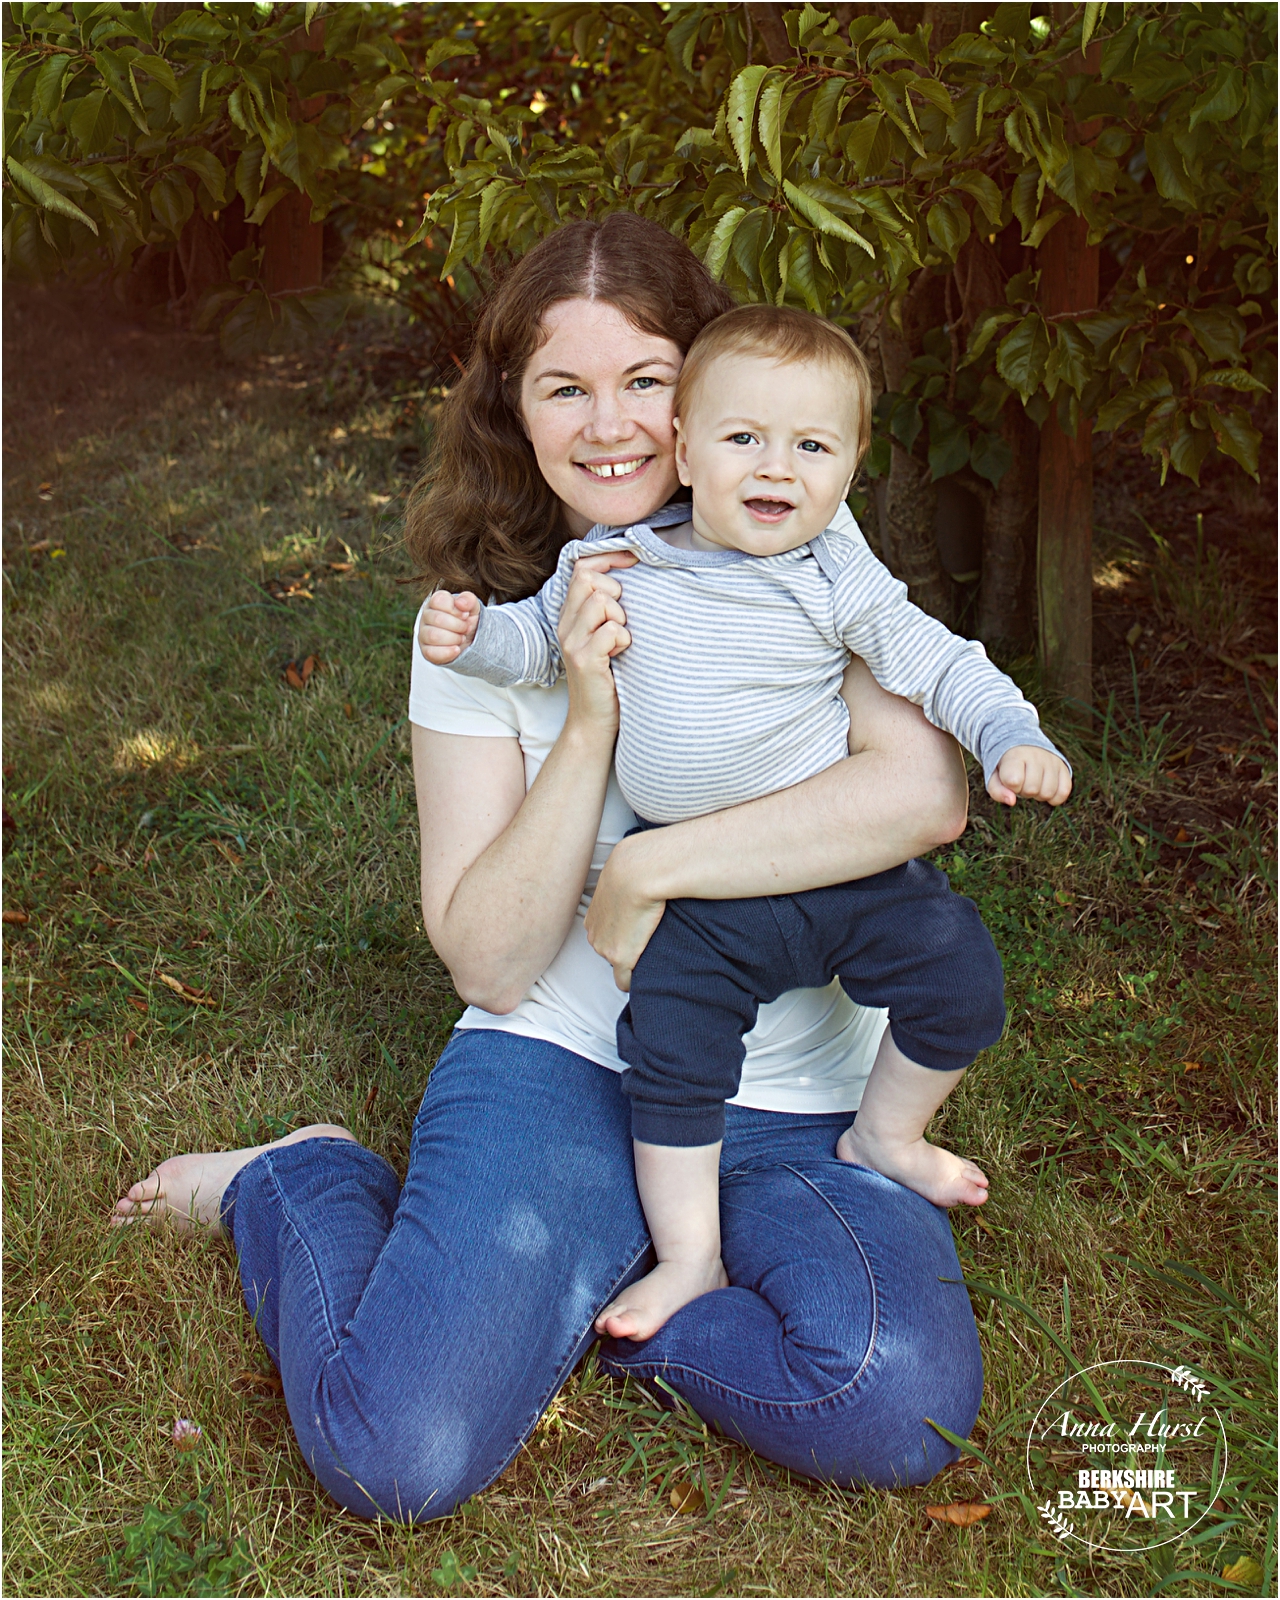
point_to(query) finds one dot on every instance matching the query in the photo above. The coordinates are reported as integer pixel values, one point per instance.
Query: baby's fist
(448, 626)
(1033, 773)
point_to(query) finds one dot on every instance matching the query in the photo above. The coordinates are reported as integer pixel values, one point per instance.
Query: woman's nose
(608, 423)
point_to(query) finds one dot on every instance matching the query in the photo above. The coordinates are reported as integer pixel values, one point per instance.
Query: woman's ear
(682, 454)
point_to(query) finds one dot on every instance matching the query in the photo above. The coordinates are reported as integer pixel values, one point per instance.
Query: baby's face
(770, 449)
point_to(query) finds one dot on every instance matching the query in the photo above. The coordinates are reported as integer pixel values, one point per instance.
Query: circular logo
(1126, 1455)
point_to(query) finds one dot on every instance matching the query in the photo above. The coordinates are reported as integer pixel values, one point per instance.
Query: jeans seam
(799, 1406)
(287, 1216)
(560, 1374)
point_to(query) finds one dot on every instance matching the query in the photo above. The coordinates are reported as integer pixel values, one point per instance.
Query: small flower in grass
(186, 1434)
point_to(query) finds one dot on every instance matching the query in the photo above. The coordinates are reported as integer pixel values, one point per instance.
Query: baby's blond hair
(784, 335)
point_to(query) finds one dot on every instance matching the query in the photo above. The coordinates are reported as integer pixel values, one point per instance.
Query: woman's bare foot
(187, 1191)
(640, 1311)
(937, 1174)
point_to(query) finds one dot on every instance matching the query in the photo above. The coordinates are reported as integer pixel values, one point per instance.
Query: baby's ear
(682, 454)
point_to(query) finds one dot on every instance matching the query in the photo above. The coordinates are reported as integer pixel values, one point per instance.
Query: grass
(175, 533)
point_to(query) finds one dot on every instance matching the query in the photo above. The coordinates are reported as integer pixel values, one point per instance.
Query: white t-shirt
(810, 1051)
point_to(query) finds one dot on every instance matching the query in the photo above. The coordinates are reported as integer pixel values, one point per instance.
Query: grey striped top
(730, 689)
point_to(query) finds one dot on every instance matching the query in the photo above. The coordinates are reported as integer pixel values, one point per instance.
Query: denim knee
(406, 1474)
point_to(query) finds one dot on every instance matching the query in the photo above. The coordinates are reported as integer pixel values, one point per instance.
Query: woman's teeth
(615, 469)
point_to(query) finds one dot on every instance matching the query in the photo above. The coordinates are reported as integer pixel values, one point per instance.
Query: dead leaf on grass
(231, 855)
(18, 919)
(1181, 836)
(137, 1003)
(1192, 1066)
(261, 1380)
(130, 1039)
(962, 1514)
(184, 991)
(687, 1499)
(297, 674)
(1245, 1571)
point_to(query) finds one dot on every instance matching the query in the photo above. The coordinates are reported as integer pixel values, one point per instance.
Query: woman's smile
(616, 469)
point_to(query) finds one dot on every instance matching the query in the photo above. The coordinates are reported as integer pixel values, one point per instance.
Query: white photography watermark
(1126, 1455)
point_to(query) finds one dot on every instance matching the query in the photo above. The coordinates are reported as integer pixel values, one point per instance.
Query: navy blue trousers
(901, 940)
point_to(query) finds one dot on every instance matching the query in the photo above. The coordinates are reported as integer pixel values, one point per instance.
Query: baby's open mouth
(615, 469)
(768, 510)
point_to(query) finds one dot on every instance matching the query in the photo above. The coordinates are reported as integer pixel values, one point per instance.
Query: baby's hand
(448, 626)
(1033, 773)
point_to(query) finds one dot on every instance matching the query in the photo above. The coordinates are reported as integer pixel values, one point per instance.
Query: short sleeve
(446, 702)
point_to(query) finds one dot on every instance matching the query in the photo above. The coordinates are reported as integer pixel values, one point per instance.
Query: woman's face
(596, 403)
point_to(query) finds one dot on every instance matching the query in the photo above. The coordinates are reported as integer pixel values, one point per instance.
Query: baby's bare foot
(928, 1169)
(640, 1311)
(186, 1191)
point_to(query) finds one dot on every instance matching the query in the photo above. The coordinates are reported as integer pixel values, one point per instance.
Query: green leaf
(1232, 378)
(771, 122)
(249, 174)
(1026, 199)
(825, 221)
(825, 112)
(1218, 330)
(1070, 361)
(948, 443)
(301, 157)
(861, 142)
(1035, 238)
(48, 89)
(721, 240)
(207, 168)
(985, 192)
(1022, 355)
(990, 457)
(171, 202)
(984, 329)
(1089, 22)
(267, 204)
(249, 328)
(1237, 437)
(948, 224)
(936, 94)
(1188, 447)
(197, 25)
(1079, 180)
(743, 94)
(905, 421)
(1169, 172)
(445, 50)
(1120, 407)
(46, 196)
(796, 267)
(1221, 101)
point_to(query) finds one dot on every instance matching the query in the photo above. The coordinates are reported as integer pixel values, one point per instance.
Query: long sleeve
(913, 655)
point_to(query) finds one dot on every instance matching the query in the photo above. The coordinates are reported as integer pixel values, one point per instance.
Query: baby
(743, 610)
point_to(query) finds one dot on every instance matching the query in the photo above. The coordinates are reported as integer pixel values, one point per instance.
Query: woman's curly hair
(482, 516)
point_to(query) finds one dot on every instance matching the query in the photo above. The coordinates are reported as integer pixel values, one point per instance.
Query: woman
(421, 1332)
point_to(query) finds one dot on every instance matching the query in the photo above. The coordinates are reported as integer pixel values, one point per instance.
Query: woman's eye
(644, 383)
(567, 392)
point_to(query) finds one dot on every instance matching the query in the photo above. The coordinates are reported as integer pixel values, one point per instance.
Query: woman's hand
(592, 631)
(623, 914)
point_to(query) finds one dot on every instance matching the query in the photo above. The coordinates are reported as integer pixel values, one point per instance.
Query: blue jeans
(421, 1332)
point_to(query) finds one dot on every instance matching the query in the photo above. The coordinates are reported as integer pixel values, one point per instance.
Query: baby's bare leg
(680, 1191)
(888, 1136)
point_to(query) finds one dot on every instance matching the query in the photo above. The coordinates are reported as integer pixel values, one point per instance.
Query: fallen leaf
(195, 997)
(261, 1380)
(130, 1039)
(342, 566)
(226, 850)
(1245, 1571)
(371, 1097)
(1181, 836)
(46, 486)
(293, 677)
(40, 547)
(687, 1499)
(963, 1514)
(1226, 750)
(148, 856)
(1192, 1066)
(1134, 634)
(19, 919)
(310, 665)
(1064, 897)
(136, 1003)
(100, 870)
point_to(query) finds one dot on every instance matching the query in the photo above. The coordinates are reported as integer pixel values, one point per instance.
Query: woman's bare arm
(901, 791)
(502, 870)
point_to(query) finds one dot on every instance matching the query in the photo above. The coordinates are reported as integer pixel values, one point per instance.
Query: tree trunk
(294, 257)
(910, 502)
(1008, 539)
(1064, 559)
(769, 28)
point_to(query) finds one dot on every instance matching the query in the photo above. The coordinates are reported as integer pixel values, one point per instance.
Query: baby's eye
(742, 438)
(812, 447)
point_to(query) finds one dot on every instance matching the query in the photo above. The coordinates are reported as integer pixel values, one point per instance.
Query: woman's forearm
(501, 923)
(859, 817)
